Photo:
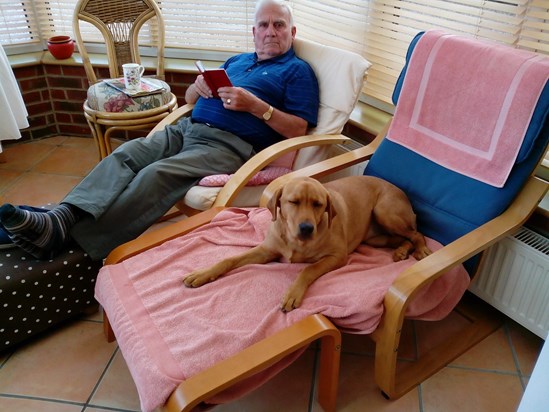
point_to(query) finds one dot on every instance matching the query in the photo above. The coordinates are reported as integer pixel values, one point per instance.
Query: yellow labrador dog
(322, 224)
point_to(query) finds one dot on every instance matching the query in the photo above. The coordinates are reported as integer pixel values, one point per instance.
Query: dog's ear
(274, 203)
(331, 210)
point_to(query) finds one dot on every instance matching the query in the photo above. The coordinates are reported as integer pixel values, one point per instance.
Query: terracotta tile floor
(72, 368)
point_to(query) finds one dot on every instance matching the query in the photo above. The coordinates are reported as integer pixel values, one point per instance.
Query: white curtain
(13, 113)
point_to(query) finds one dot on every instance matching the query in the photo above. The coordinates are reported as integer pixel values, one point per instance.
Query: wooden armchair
(120, 22)
(463, 214)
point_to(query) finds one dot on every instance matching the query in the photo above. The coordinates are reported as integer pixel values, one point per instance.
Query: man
(274, 96)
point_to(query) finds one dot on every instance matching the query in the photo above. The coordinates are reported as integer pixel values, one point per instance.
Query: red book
(215, 78)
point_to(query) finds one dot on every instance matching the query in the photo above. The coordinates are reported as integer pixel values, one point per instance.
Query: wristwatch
(267, 115)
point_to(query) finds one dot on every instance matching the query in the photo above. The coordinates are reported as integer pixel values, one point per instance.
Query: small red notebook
(215, 78)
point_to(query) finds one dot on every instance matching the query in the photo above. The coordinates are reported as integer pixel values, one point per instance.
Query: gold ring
(228, 101)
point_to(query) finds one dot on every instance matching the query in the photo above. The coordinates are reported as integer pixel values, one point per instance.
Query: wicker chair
(106, 109)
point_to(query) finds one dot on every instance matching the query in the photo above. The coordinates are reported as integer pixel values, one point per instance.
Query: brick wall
(54, 95)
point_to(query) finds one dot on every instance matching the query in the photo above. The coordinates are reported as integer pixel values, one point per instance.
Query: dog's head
(301, 205)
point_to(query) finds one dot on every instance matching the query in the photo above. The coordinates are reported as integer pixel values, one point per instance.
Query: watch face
(268, 113)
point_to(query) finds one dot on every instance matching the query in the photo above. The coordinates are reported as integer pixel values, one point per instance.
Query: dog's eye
(294, 202)
(317, 204)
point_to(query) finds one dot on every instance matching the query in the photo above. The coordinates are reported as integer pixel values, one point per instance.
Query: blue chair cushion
(448, 204)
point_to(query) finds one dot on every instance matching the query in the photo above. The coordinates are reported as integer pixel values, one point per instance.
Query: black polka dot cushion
(37, 294)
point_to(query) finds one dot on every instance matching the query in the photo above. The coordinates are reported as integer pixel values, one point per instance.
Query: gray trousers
(140, 181)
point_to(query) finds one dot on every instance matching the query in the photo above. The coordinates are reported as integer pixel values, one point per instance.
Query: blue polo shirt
(285, 82)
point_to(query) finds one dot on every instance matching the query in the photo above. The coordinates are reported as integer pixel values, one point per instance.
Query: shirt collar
(283, 58)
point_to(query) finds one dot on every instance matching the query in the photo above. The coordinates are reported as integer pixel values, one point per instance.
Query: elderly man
(274, 96)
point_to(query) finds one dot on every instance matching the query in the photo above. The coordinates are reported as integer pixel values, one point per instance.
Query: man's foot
(40, 234)
(5, 240)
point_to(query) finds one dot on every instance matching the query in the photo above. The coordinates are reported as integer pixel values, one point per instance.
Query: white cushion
(340, 75)
(202, 197)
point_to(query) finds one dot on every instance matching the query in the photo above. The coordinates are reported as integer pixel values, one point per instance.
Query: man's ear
(331, 210)
(274, 203)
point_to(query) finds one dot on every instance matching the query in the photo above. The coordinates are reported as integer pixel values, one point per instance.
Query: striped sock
(31, 249)
(40, 234)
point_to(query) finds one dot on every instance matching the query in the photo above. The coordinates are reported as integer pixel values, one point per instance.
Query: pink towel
(167, 332)
(466, 104)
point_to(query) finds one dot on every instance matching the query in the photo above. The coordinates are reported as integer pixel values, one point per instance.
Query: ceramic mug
(132, 75)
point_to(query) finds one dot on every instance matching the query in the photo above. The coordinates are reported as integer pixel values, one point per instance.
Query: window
(382, 30)
(379, 30)
(221, 25)
(17, 22)
(518, 23)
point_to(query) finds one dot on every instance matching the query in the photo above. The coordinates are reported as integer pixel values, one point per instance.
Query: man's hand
(202, 88)
(198, 89)
(241, 100)
(238, 99)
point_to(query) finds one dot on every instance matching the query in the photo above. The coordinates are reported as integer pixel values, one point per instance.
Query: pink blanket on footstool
(168, 333)
(467, 104)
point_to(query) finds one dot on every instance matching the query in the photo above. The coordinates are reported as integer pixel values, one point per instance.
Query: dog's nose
(306, 230)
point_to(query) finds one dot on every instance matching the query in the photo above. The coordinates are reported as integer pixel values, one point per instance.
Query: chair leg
(328, 375)
(97, 134)
(483, 322)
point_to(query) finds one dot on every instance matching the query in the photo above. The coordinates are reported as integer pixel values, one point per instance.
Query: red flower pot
(61, 47)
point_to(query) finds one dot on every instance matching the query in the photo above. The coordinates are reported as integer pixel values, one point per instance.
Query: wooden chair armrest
(430, 268)
(328, 166)
(156, 237)
(202, 386)
(173, 117)
(248, 170)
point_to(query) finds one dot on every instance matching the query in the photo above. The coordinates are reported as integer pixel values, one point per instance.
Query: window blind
(341, 24)
(392, 24)
(223, 25)
(18, 23)
(54, 17)
(379, 30)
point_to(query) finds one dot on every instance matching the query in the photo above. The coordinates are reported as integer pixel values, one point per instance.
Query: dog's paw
(288, 304)
(401, 253)
(195, 280)
(421, 253)
(292, 299)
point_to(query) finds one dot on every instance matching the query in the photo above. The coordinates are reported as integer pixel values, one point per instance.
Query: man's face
(273, 33)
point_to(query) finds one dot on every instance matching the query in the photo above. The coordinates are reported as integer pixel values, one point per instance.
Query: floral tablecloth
(103, 97)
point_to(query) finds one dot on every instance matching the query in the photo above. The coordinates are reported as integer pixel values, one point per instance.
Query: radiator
(514, 278)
